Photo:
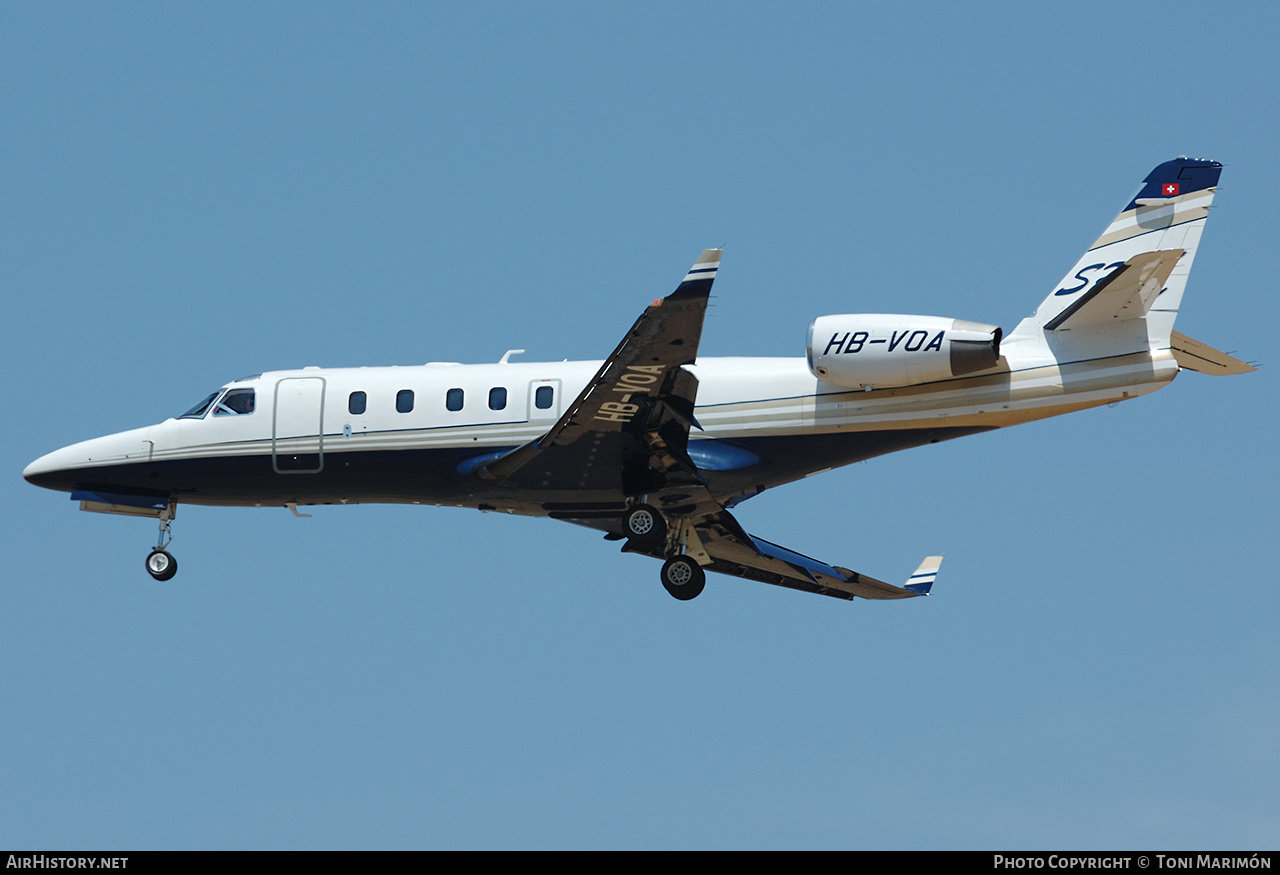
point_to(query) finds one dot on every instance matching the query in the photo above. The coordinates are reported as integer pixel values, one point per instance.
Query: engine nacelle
(879, 350)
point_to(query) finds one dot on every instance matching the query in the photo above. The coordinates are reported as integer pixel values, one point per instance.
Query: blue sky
(193, 193)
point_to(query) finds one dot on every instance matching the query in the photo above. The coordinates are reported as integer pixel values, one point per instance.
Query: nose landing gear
(160, 564)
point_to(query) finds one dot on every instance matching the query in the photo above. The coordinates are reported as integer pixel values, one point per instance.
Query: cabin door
(297, 439)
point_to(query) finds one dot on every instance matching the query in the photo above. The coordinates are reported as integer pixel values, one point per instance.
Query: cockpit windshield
(235, 402)
(202, 408)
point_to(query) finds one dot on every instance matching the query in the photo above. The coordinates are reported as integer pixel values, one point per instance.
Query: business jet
(654, 446)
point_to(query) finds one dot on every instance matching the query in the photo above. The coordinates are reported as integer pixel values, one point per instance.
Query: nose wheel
(160, 564)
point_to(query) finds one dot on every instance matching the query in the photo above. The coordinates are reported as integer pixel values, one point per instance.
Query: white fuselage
(306, 422)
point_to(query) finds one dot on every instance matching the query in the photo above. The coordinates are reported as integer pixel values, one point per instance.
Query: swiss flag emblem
(1169, 189)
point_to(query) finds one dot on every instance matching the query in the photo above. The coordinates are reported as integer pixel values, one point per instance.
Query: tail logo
(1170, 188)
(1084, 280)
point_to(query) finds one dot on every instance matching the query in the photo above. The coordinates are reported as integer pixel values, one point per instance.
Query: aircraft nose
(50, 471)
(62, 469)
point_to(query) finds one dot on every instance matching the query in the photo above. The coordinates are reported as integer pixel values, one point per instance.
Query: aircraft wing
(627, 433)
(720, 544)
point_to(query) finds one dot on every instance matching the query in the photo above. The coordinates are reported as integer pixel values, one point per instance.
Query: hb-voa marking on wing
(635, 380)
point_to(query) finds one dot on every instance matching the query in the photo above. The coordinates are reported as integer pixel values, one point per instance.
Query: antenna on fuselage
(506, 356)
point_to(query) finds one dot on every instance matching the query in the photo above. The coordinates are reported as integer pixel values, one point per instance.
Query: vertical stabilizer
(1132, 278)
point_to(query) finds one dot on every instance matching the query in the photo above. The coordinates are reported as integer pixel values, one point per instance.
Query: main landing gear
(647, 531)
(683, 577)
(645, 526)
(160, 564)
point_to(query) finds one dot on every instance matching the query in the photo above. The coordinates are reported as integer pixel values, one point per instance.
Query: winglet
(697, 282)
(922, 581)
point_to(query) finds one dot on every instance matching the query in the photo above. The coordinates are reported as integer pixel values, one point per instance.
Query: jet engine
(881, 351)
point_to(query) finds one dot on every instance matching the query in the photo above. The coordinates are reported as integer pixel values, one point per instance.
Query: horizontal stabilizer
(1196, 356)
(1126, 293)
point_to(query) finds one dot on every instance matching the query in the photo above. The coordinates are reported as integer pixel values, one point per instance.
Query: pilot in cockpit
(237, 402)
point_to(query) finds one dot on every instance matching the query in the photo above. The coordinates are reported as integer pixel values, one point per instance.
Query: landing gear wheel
(683, 577)
(161, 565)
(645, 526)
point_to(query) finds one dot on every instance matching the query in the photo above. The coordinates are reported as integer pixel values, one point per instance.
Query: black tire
(644, 526)
(683, 578)
(161, 565)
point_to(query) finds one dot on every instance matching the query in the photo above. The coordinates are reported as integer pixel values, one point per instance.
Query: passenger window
(358, 400)
(543, 397)
(497, 398)
(453, 399)
(237, 402)
(404, 400)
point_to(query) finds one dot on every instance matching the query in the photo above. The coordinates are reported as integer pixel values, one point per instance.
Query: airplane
(655, 446)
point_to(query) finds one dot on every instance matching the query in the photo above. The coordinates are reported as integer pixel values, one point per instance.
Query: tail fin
(1138, 268)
